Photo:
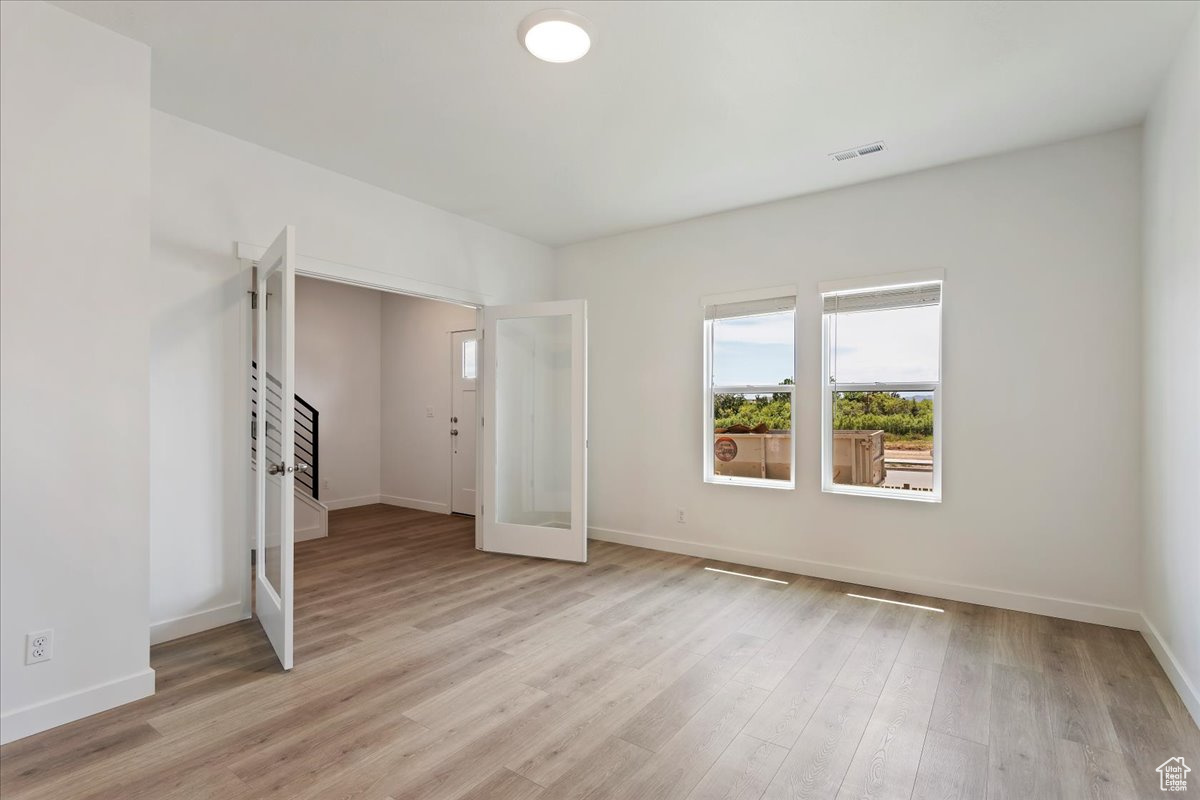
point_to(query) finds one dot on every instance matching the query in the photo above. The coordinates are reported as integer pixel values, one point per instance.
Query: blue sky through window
(754, 350)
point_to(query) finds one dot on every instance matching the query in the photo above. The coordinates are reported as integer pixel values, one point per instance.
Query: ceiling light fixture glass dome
(556, 35)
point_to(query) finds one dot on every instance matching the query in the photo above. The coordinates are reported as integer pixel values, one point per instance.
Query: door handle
(277, 469)
(302, 468)
(454, 431)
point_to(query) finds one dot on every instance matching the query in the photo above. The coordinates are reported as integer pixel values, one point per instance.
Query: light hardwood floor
(426, 669)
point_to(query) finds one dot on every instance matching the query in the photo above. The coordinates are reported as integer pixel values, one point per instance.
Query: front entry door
(274, 348)
(534, 429)
(464, 363)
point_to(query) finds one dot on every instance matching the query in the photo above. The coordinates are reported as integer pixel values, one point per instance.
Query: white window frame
(828, 387)
(710, 390)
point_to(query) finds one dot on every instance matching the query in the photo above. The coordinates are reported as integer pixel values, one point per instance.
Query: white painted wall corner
(1171, 665)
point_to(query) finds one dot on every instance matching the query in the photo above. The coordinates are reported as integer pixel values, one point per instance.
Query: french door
(534, 430)
(274, 352)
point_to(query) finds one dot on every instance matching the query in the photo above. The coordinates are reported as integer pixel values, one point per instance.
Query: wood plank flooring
(426, 670)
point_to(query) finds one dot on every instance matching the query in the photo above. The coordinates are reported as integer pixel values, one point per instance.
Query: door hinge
(253, 299)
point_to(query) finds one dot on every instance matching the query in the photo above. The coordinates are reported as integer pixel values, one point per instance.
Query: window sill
(761, 483)
(889, 494)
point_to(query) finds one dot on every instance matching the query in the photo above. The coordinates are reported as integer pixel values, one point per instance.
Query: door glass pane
(883, 439)
(276, 407)
(533, 421)
(468, 360)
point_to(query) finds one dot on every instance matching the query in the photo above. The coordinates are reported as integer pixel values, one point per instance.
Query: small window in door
(468, 360)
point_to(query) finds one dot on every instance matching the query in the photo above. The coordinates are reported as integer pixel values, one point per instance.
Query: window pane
(468, 360)
(883, 439)
(752, 435)
(894, 346)
(753, 350)
(533, 421)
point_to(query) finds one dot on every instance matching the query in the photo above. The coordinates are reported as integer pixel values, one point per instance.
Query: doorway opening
(386, 383)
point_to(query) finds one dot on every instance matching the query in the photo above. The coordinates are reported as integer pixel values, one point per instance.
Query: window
(881, 395)
(749, 391)
(468, 359)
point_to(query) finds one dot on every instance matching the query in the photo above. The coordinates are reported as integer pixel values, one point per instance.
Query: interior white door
(534, 430)
(275, 468)
(464, 364)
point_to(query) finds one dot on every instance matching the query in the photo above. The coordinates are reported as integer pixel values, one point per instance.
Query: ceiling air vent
(855, 152)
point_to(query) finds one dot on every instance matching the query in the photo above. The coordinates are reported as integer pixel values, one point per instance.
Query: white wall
(337, 371)
(416, 353)
(210, 190)
(1041, 250)
(74, 338)
(1171, 365)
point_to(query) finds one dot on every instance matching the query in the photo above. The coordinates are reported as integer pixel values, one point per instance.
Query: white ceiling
(680, 109)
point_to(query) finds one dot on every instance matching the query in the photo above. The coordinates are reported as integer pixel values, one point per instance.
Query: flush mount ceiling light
(556, 35)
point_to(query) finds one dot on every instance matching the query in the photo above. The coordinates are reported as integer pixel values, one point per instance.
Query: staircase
(307, 420)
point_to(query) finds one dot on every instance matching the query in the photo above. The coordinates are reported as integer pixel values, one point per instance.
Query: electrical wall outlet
(429, 411)
(681, 516)
(325, 483)
(39, 646)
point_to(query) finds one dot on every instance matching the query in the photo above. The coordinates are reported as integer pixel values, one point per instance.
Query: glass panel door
(535, 430)
(274, 470)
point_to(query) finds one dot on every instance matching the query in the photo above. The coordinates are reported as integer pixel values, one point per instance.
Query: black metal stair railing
(307, 427)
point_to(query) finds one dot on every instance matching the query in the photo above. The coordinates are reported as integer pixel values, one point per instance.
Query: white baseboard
(188, 624)
(22, 722)
(1179, 679)
(980, 595)
(352, 502)
(317, 532)
(419, 505)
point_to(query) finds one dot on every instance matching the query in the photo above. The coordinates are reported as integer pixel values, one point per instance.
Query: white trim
(352, 502)
(1170, 664)
(915, 584)
(306, 534)
(196, 622)
(911, 495)
(891, 279)
(321, 529)
(26, 721)
(749, 295)
(419, 505)
(372, 278)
